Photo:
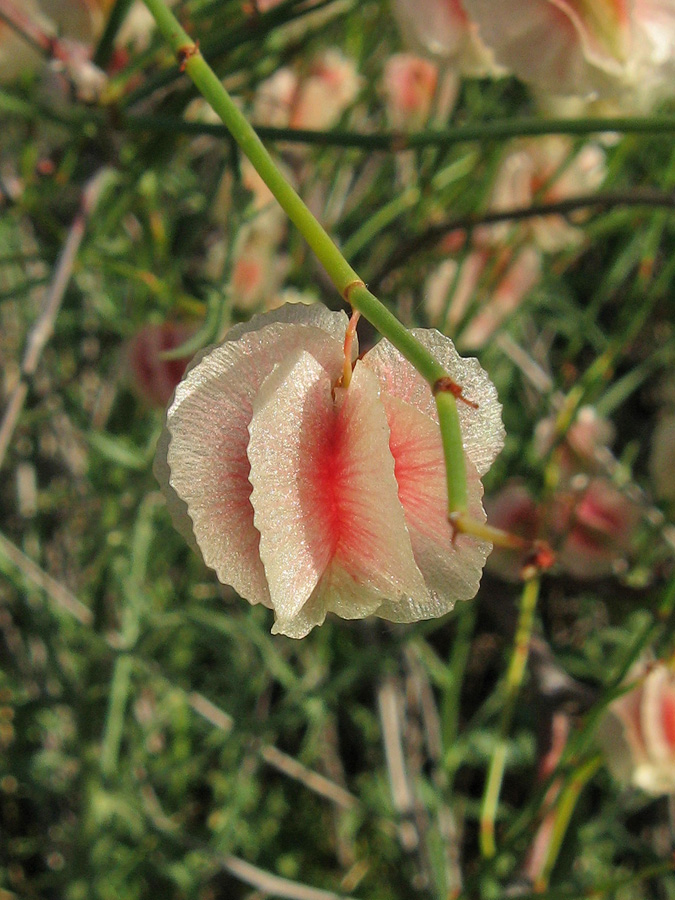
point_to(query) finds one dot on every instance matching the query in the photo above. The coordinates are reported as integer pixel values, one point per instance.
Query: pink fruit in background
(153, 377)
(638, 732)
(598, 526)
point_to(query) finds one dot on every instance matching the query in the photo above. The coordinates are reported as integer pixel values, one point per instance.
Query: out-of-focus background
(155, 738)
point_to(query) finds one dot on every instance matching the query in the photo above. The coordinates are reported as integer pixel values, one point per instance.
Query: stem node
(186, 52)
(445, 383)
(540, 558)
(346, 293)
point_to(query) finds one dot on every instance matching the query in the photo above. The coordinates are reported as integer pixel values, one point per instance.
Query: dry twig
(43, 328)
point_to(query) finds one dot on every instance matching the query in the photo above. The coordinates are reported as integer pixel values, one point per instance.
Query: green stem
(461, 649)
(391, 142)
(380, 220)
(500, 129)
(115, 20)
(252, 30)
(213, 91)
(114, 725)
(514, 679)
(565, 806)
(395, 142)
(343, 276)
(453, 454)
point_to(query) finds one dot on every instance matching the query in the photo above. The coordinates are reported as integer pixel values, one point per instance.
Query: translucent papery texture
(451, 570)
(325, 498)
(311, 497)
(208, 428)
(482, 429)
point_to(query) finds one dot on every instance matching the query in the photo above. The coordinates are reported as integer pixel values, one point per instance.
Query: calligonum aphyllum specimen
(309, 497)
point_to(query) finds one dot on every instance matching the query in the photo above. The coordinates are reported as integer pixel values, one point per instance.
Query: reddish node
(540, 558)
(447, 385)
(185, 53)
(350, 287)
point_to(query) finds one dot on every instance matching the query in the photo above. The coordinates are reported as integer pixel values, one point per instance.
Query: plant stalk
(343, 276)
(514, 680)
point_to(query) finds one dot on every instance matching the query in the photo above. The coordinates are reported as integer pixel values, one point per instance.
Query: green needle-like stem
(343, 276)
(115, 21)
(514, 679)
(565, 806)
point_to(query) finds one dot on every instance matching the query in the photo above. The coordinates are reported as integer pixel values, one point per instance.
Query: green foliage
(151, 729)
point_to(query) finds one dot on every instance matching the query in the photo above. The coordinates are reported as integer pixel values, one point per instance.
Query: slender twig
(401, 142)
(534, 373)
(319, 784)
(385, 141)
(537, 854)
(433, 731)
(599, 202)
(52, 588)
(597, 890)
(514, 679)
(43, 328)
(564, 808)
(401, 791)
(251, 29)
(26, 27)
(450, 697)
(106, 44)
(274, 885)
(266, 882)
(111, 741)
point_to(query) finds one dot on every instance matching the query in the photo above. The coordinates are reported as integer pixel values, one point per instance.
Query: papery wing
(208, 426)
(482, 429)
(333, 534)
(451, 570)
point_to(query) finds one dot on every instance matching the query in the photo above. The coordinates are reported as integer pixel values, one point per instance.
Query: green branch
(115, 21)
(386, 141)
(343, 276)
(399, 142)
(514, 679)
